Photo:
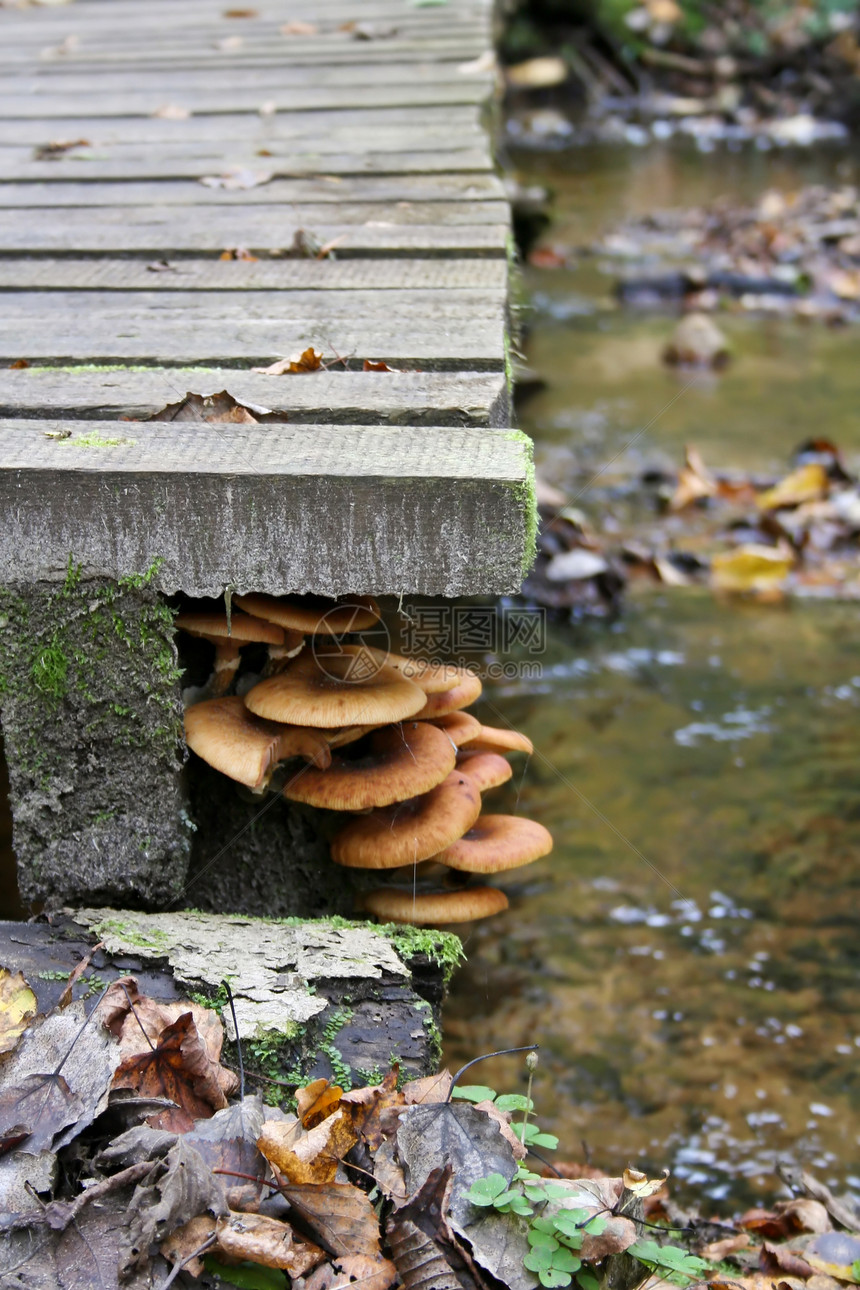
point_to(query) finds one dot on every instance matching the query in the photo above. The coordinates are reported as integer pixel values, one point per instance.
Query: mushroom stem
(226, 666)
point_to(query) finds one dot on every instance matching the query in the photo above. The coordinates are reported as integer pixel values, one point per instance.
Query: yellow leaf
(17, 1008)
(802, 485)
(750, 568)
(694, 482)
(640, 1184)
(308, 1157)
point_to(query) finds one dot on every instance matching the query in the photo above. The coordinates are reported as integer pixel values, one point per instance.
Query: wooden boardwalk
(192, 190)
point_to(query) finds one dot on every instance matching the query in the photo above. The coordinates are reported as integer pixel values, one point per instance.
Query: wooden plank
(305, 98)
(310, 190)
(363, 506)
(248, 126)
(160, 168)
(351, 398)
(261, 275)
(174, 230)
(182, 341)
(288, 307)
(358, 215)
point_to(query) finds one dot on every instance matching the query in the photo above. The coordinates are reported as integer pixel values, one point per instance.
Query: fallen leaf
(18, 365)
(503, 1120)
(298, 28)
(184, 1246)
(66, 997)
(806, 484)
(312, 1156)
(779, 1258)
(429, 1089)
(229, 43)
(58, 148)
(340, 1217)
(18, 1006)
(639, 1184)
(750, 568)
(40, 1107)
(172, 112)
(238, 178)
(316, 1101)
(264, 1240)
(228, 1142)
(237, 253)
(547, 257)
(371, 1273)
(179, 1188)
(368, 366)
(716, 1251)
(179, 1067)
(418, 1258)
(694, 482)
(308, 361)
(368, 1105)
(215, 408)
(240, 13)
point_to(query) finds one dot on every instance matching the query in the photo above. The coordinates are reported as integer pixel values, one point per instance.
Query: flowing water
(688, 956)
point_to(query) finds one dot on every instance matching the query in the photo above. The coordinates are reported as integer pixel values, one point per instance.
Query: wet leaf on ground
(18, 1007)
(179, 1067)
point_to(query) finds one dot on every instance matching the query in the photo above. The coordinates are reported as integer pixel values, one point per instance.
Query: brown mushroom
(495, 843)
(401, 761)
(432, 677)
(492, 739)
(394, 905)
(466, 691)
(314, 614)
(460, 727)
(229, 737)
(487, 770)
(409, 831)
(340, 694)
(228, 635)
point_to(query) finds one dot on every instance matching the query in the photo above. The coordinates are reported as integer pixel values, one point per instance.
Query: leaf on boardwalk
(238, 179)
(216, 408)
(179, 1067)
(237, 253)
(298, 28)
(58, 148)
(17, 1008)
(268, 1241)
(171, 112)
(308, 361)
(369, 366)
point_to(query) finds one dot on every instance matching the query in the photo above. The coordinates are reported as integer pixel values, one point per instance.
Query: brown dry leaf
(308, 361)
(804, 1215)
(371, 1273)
(806, 484)
(18, 1007)
(40, 1106)
(641, 1185)
(66, 997)
(221, 407)
(260, 1239)
(368, 366)
(241, 13)
(718, 1250)
(779, 1258)
(418, 1259)
(316, 1101)
(299, 28)
(308, 1157)
(18, 365)
(172, 112)
(432, 1088)
(668, 573)
(237, 253)
(694, 482)
(58, 148)
(179, 1067)
(366, 1106)
(339, 1215)
(182, 1245)
(503, 1120)
(751, 568)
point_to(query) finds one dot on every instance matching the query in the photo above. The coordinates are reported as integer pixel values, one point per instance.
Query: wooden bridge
(189, 191)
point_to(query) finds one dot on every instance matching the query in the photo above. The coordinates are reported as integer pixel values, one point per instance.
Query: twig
(226, 985)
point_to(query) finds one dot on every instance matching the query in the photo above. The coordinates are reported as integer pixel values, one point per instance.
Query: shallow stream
(688, 956)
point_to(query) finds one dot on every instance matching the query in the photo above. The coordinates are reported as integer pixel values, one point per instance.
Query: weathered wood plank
(291, 165)
(175, 230)
(305, 98)
(288, 307)
(275, 508)
(350, 398)
(310, 190)
(186, 341)
(260, 275)
(249, 126)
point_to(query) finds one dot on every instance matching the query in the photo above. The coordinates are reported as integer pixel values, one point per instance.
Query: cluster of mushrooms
(382, 738)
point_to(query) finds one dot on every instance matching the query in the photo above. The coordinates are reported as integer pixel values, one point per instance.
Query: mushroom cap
(397, 906)
(314, 613)
(229, 737)
(347, 735)
(241, 628)
(409, 831)
(495, 843)
(487, 770)
(492, 739)
(432, 677)
(466, 691)
(460, 727)
(401, 761)
(342, 694)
